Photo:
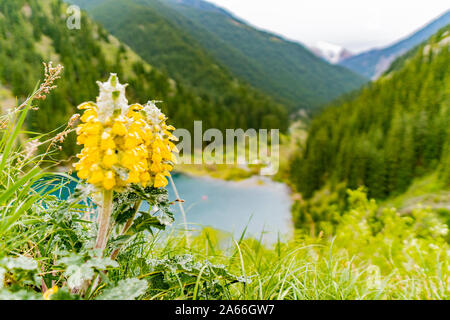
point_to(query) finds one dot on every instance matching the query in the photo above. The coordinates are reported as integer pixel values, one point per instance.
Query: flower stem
(104, 220)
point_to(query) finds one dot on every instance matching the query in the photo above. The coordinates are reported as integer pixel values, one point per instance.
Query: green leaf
(2, 277)
(128, 289)
(77, 275)
(21, 262)
(102, 263)
(64, 294)
(146, 222)
(19, 295)
(82, 268)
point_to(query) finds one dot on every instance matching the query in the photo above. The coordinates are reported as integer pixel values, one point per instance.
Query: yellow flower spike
(91, 128)
(145, 178)
(91, 141)
(107, 142)
(141, 151)
(135, 127)
(86, 105)
(89, 115)
(110, 158)
(156, 157)
(147, 136)
(109, 182)
(47, 294)
(131, 141)
(173, 159)
(81, 139)
(117, 137)
(171, 145)
(156, 167)
(83, 173)
(133, 177)
(119, 128)
(93, 153)
(144, 165)
(96, 176)
(136, 107)
(160, 181)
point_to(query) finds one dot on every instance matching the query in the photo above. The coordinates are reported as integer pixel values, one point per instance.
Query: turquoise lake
(260, 204)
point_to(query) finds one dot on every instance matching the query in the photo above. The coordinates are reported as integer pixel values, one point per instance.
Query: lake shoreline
(257, 204)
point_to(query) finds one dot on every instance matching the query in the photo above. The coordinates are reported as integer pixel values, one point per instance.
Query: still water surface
(258, 204)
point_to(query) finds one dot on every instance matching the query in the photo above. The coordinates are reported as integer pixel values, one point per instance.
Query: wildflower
(158, 140)
(122, 145)
(110, 134)
(51, 75)
(50, 292)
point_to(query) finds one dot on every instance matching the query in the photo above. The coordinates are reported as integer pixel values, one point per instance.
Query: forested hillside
(204, 46)
(35, 31)
(396, 129)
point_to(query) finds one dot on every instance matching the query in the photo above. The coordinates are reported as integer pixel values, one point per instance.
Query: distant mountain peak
(332, 53)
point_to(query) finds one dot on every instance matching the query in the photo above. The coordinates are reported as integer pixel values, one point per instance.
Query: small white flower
(111, 98)
(153, 113)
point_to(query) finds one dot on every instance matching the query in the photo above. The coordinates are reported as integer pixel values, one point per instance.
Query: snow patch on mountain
(330, 52)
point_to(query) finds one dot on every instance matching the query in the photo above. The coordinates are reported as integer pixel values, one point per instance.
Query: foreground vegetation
(391, 257)
(49, 247)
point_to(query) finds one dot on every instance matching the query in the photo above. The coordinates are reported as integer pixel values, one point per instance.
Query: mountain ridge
(374, 62)
(283, 69)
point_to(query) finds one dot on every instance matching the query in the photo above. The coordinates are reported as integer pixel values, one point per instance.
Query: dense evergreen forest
(35, 31)
(394, 130)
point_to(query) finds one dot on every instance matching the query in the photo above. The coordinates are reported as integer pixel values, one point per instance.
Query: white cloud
(356, 24)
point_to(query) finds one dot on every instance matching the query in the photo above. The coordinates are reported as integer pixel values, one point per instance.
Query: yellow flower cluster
(123, 144)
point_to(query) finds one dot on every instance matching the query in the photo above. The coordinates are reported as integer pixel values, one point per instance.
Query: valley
(96, 202)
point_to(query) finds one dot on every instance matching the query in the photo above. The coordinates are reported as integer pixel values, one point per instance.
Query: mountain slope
(373, 63)
(290, 70)
(33, 31)
(396, 129)
(189, 33)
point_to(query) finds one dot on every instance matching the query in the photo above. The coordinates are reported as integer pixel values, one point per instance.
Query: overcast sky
(355, 24)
